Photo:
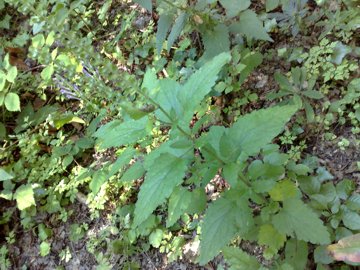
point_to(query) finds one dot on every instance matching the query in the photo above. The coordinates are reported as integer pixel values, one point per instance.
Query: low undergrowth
(218, 133)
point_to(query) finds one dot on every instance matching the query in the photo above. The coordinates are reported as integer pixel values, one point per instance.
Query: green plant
(327, 60)
(8, 98)
(10, 239)
(103, 116)
(341, 22)
(4, 260)
(299, 87)
(293, 13)
(65, 255)
(173, 160)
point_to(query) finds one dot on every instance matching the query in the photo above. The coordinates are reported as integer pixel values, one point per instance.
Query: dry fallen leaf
(347, 249)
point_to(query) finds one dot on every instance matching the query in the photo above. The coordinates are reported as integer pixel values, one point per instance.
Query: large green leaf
(159, 183)
(136, 171)
(226, 217)
(257, 129)
(296, 253)
(250, 26)
(117, 133)
(166, 97)
(215, 41)
(233, 7)
(179, 201)
(200, 84)
(250, 60)
(163, 28)
(284, 190)
(218, 229)
(238, 259)
(176, 29)
(24, 197)
(269, 236)
(297, 220)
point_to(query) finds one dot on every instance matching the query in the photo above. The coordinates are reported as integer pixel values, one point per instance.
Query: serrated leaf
(136, 113)
(168, 100)
(229, 149)
(117, 133)
(215, 41)
(218, 229)
(255, 130)
(179, 201)
(296, 253)
(231, 172)
(297, 219)
(12, 102)
(233, 7)
(250, 60)
(238, 259)
(347, 249)
(163, 28)
(4, 176)
(200, 84)
(145, 3)
(270, 237)
(24, 197)
(283, 190)
(250, 26)
(224, 218)
(176, 29)
(198, 201)
(135, 172)
(158, 185)
(97, 180)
